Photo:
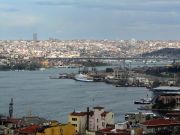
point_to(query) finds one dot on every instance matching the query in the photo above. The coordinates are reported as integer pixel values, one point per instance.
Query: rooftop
(29, 130)
(98, 107)
(78, 113)
(161, 122)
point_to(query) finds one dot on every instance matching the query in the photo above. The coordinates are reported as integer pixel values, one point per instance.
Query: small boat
(144, 107)
(143, 101)
(42, 69)
(53, 77)
(62, 66)
(83, 78)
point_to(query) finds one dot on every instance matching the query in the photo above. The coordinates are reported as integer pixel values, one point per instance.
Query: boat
(42, 69)
(83, 78)
(146, 107)
(143, 101)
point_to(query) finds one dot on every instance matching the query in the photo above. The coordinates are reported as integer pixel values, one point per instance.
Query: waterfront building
(166, 98)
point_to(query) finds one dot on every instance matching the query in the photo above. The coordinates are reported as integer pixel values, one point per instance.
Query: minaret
(11, 108)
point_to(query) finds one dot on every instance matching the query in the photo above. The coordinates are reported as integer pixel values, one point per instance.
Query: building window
(97, 120)
(103, 124)
(112, 116)
(74, 125)
(74, 119)
(97, 127)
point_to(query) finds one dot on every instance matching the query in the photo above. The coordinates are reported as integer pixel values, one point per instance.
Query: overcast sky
(90, 19)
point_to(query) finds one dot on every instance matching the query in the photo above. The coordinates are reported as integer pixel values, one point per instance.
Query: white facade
(121, 126)
(100, 119)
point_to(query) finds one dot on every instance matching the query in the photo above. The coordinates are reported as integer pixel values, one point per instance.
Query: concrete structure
(122, 125)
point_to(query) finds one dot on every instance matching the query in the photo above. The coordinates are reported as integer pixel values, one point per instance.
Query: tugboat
(143, 101)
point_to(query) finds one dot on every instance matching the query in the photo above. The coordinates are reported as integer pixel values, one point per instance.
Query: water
(33, 92)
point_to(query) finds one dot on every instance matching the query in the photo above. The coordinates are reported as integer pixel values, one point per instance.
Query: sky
(90, 19)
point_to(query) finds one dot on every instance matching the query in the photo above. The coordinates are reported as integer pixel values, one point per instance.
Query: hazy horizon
(90, 19)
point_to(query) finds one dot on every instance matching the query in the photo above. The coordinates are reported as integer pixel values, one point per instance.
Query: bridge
(113, 58)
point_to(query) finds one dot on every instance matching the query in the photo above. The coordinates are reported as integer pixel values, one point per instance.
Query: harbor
(59, 97)
(70, 94)
(126, 77)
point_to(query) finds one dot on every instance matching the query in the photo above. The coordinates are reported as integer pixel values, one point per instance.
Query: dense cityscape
(81, 48)
(161, 116)
(90, 67)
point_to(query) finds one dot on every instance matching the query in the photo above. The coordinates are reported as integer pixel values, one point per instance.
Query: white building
(100, 119)
(91, 120)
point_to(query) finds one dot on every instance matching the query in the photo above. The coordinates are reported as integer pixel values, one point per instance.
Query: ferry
(83, 78)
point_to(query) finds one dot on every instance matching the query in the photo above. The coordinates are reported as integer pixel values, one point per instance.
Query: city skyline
(90, 19)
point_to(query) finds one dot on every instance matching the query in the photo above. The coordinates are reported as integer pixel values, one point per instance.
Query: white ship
(83, 78)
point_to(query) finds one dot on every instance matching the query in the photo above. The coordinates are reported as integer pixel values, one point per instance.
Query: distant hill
(165, 52)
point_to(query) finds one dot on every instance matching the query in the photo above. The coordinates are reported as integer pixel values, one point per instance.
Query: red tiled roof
(104, 114)
(173, 114)
(106, 130)
(160, 122)
(78, 113)
(29, 130)
(13, 120)
(116, 132)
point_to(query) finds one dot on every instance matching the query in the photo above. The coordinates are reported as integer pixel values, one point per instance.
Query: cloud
(117, 5)
(17, 20)
(57, 3)
(8, 8)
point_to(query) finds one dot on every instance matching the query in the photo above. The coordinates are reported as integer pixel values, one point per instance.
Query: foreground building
(161, 127)
(91, 120)
(59, 129)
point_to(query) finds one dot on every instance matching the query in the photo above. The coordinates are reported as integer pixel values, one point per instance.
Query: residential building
(60, 129)
(91, 120)
(78, 120)
(138, 117)
(99, 119)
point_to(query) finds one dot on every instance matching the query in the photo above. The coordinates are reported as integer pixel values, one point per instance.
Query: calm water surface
(35, 93)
